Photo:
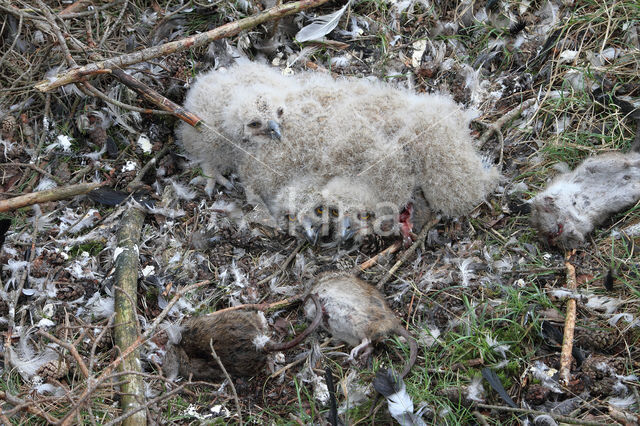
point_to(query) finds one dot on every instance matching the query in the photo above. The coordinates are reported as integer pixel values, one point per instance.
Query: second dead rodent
(240, 339)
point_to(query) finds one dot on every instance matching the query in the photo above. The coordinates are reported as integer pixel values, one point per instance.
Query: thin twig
(58, 33)
(135, 183)
(558, 417)
(284, 265)
(497, 126)
(72, 349)
(16, 37)
(569, 324)
(29, 406)
(114, 25)
(409, 252)
(36, 168)
(151, 402)
(226, 375)
(389, 250)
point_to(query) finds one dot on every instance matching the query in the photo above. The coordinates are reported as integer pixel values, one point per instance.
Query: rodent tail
(413, 350)
(274, 347)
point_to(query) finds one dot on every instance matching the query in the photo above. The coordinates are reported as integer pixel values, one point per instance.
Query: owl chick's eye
(334, 212)
(319, 210)
(291, 217)
(254, 124)
(280, 111)
(364, 216)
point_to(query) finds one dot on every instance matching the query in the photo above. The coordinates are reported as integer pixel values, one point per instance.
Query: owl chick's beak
(309, 232)
(274, 130)
(346, 229)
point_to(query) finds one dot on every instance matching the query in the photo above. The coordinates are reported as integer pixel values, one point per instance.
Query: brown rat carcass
(240, 339)
(356, 313)
(578, 201)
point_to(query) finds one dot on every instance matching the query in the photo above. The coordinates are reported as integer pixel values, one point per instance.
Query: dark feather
(493, 379)
(608, 280)
(386, 382)
(516, 28)
(108, 196)
(4, 227)
(333, 409)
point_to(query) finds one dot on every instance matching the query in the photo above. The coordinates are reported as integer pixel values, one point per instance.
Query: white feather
(622, 402)
(321, 26)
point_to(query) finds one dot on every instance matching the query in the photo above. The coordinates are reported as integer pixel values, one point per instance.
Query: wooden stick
(232, 28)
(569, 324)
(55, 194)
(224, 371)
(125, 330)
(389, 250)
(156, 98)
(409, 251)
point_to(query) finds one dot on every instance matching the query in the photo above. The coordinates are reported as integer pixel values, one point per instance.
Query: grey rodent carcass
(356, 313)
(578, 201)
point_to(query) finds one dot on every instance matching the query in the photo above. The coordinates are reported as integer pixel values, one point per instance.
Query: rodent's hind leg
(364, 346)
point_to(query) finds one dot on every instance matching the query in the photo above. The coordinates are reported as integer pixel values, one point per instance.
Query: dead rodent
(240, 339)
(578, 201)
(357, 314)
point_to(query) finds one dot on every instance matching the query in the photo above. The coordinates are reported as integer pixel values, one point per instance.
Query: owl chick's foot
(220, 180)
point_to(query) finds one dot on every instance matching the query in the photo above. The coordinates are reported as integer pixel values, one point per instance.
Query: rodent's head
(556, 227)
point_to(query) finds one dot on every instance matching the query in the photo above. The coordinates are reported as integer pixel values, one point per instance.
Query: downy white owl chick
(389, 129)
(437, 141)
(578, 201)
(242, 108)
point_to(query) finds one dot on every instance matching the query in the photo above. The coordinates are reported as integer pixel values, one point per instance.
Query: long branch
(227, 30)
(48, 195)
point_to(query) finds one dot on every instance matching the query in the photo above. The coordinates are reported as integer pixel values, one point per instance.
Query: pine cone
(8, 126)
(53, 369)
(69, 291)
(221, 254)
(598, 340)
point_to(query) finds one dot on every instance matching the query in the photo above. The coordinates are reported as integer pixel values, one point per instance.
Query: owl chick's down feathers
(241, 108)
(383, 141)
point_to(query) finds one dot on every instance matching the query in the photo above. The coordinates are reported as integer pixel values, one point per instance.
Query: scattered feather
(399, 403)
(46, 183)
(622, 402)
(321, 26)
